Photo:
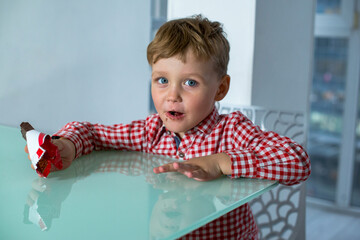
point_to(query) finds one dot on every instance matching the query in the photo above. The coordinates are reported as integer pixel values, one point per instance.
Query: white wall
(271, 48)
(73, 60)
(238, 18)
(283, 54)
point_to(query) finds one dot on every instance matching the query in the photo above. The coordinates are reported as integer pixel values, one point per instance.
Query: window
(355, 197)
(334, 129)
(328, 6)
(158, 18)
(327, 107)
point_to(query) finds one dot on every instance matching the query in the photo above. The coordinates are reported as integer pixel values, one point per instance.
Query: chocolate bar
(25, 126)
(42, 151)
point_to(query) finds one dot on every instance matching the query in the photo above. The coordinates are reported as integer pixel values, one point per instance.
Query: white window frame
(336, 24)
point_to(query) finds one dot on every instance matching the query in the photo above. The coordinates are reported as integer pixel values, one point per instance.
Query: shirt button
(181, 154)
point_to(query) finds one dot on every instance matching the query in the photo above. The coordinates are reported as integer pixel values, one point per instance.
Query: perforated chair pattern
(279, 213)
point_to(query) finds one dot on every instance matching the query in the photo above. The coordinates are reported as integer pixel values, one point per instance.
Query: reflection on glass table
(109, 194)
(178, 200)
(42, 205)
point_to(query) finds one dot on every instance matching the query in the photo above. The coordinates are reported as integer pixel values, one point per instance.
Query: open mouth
(174, 114)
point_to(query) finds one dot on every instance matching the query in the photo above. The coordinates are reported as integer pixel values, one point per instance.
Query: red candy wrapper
(42, 151)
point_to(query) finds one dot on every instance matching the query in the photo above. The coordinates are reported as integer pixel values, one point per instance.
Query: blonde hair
(205, 38)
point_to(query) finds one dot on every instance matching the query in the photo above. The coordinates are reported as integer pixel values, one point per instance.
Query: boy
(189, 59)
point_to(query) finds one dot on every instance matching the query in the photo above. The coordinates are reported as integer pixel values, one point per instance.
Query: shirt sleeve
(267, 155)
(88, 137)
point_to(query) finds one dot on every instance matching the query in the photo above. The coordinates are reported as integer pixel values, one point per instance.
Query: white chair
(279, 213)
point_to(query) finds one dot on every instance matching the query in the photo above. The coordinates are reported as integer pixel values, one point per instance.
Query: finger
(58, 143)
(192, 171)
(200, 175)
(181, 168)
(165, 168)
(185, 167)
(188, 174)
(195, 174)
(27, 151)
(160, 169)
(32, 166)
(156, 170)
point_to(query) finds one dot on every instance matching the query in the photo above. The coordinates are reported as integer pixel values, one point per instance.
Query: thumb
(58, 143)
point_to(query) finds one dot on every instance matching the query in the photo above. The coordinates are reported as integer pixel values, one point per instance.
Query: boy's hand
(202, 168)
(66, 149)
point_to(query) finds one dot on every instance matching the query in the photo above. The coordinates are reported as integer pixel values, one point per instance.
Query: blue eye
(191, 83)
(162, 80)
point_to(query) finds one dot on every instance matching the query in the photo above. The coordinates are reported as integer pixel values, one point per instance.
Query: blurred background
(81, 60)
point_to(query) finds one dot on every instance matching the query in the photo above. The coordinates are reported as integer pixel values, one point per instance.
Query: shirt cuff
(243, 163)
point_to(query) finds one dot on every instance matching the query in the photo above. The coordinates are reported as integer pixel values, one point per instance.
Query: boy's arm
(254, 154)
(267, 155)
(288, 169)
(88, 137)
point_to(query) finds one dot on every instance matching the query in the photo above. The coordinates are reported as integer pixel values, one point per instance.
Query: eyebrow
(195, 75)
(158, 73)
(162, 73)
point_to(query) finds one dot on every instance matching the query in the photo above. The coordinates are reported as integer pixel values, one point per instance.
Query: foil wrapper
(43, 153)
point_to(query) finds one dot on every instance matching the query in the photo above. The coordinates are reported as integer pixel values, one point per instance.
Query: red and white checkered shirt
(254, 154)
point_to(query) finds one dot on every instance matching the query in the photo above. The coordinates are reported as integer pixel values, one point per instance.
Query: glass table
(108, 195)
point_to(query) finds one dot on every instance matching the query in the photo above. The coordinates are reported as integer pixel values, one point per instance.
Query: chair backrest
(279, 213)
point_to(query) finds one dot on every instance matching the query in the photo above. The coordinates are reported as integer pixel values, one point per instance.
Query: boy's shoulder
(236, 116)
(154, 117)
(154, 120)
(226, 122)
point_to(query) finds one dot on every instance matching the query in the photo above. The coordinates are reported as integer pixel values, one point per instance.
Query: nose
(174, 94)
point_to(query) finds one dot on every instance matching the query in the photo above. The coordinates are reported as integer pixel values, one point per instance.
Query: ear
(223, 88)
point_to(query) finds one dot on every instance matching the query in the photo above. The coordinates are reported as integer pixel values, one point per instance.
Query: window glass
(326, 115)
(355, 197)
(328, 6)
(158, 15)
(158, 18)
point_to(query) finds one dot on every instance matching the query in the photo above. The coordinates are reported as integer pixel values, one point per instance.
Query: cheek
(201, 103)
(207, 97)
(157, 99)
(154, 94)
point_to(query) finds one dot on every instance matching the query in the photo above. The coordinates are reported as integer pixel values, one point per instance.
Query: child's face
(184, 93)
